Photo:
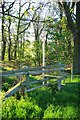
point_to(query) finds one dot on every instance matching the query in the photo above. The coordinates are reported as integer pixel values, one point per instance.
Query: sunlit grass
(60, 112)
(51, 104)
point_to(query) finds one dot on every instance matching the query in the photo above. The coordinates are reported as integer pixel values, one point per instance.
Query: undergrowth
(45, 103)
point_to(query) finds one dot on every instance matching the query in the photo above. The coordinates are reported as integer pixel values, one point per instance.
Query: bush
(0, 108)
(5, 86)
(61, 112)
(8, 108)
(23, 108)
(70, 112)
(42, 96)
(53, 112)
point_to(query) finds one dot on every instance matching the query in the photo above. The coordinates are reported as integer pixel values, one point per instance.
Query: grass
(49, 103)
(62, 104)
(44, 102)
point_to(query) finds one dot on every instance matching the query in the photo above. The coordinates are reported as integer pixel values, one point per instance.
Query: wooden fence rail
(47, 70)
(23, 71)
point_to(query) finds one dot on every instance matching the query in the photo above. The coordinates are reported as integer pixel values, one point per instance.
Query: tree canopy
(25, 24)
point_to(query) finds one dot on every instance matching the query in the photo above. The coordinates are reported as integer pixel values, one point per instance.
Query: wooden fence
(56, 73)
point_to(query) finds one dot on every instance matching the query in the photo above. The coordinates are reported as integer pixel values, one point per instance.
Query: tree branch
(41, 30)
(25, 28)
(10, 6)
(24, 19)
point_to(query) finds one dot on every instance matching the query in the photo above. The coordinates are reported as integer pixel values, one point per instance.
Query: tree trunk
(37, 51)
(15, 51)
(46, 42)
(75, 29)
(23, 46)
(9, 49)
(76, 62)
(76, 59)
(17, 38)
(3, 34)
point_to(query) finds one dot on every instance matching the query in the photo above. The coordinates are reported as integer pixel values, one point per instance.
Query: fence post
(71, 71)
(59, 84)
(27, 80)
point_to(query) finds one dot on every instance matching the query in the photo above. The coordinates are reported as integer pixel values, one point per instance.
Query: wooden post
(59, 84)
(27, 81)
(15, 89)
(71, 71)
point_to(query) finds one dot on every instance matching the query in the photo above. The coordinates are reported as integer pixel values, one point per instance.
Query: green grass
(46, 102)
(59, 104)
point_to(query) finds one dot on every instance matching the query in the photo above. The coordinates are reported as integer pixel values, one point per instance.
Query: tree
(4, 37)
(3, 33)
(16, 20)
(9, 36)
(25, 14)
(38, 28)
(17, 36)
(74, 26)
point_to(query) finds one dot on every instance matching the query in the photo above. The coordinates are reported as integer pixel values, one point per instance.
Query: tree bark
(17, 38)
(3, 34)
(76, 61)
(37, 42)
(75, 29)
(9, 48)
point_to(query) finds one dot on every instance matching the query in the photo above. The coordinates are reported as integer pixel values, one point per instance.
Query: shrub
(5, 86)
(23, 108)
(53, 112)
(27, 109)
(61, 112)
(8, 107)
(70, 112)
(43, 97)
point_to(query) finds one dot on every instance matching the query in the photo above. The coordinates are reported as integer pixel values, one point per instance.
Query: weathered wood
(47, 67)
(36, 87)
(12, 72)
(27, 80)
(5, 73)
(54, 77)
(14, 89)
(22, 84)
(16, 74)
(33, 71)
(45, 71)
(59, 83)
(38, 81)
